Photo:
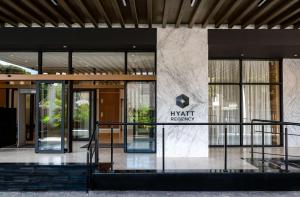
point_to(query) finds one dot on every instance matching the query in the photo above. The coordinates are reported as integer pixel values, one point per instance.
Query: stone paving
(151, 194)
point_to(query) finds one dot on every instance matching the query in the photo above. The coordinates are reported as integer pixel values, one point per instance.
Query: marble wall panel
(182, 68)
(291, 97)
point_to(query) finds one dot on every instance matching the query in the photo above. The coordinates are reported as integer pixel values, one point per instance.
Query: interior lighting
(261, 3)
(54, 2)
(193, 3)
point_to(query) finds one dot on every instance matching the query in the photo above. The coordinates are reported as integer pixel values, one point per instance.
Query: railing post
(225, 150)
(87, 172)
(263, 146)
(97, 144)
(163, 148)
(286, 150)
(111, 148)
(252, 142)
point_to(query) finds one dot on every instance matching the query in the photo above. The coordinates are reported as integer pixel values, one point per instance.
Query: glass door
(82, 114)
(140, 108)
(51, 116)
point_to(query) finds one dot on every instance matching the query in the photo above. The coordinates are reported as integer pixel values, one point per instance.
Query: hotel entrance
(26, 117)
(115, 102)
(72, 87)
(51, 118)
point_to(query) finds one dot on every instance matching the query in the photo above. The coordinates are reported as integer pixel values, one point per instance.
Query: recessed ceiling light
(242, 54)
(261, 3)
(193, 3)
(54, 2)
(134, 46)
(124, 3)
(295, 55)
(65, 46)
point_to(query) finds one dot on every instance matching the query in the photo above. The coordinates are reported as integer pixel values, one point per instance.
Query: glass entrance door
(82, 114)
(51, 116)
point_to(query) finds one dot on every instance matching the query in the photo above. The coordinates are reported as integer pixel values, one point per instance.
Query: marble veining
(182, 68)
(291, 97)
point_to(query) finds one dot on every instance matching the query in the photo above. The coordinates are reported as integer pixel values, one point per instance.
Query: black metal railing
(92, 153)
(93, 145)
(263, 132)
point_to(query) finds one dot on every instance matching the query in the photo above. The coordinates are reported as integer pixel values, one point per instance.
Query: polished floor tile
(236, 158)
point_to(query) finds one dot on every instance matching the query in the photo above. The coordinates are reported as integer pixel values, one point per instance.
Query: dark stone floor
(150, 194)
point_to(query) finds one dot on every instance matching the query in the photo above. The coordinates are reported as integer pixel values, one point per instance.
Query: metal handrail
(197, 123)
(286, 134)
(93, 150)
(163, 124)
(276, 122)
(90, 154)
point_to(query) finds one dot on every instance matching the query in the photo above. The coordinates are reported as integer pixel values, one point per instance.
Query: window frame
(241, 84)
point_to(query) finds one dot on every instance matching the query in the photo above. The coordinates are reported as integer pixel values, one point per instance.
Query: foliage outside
(10, 69)
(144, 114)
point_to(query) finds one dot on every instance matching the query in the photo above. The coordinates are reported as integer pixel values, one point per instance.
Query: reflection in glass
(50, 117)
(18, 63)
(55, 62)
(141, 63)
(223, 71)
(81, 115)
(260, 71)
(141, 109)
(224, 107)
(98, 62)
(261, 102)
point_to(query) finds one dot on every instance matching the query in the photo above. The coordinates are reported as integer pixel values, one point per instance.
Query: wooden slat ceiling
(141, 13)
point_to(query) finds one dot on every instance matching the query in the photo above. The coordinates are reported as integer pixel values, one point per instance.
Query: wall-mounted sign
(182, 101)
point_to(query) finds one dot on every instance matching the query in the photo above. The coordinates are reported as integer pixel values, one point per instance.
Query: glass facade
(141, 63)
(235, 99)
(19, 63)
(98, 62)
(52, 133)
(55, 62)
(51, 117)
(140, 109)
(81, 115)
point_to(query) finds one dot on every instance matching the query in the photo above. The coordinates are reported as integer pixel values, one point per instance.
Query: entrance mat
(117, 145)
(104, 167)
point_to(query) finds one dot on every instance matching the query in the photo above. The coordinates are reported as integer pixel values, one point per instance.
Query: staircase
(34, 177)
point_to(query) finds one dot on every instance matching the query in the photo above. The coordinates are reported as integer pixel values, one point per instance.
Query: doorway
(51, 117)
(111, 109)
(26, 118)
(83, 114)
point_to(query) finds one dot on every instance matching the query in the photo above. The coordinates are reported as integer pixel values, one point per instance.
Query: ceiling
(138, 13)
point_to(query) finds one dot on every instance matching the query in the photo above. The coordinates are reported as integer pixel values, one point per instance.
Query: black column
(70, 106)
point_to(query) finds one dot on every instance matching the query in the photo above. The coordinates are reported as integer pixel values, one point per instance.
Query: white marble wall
(182, 68)
(291, 97)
